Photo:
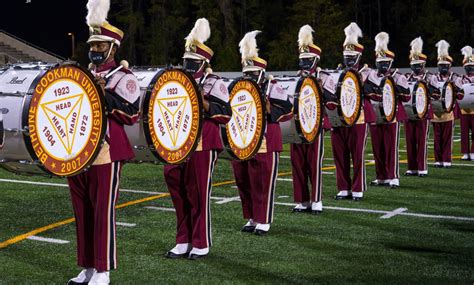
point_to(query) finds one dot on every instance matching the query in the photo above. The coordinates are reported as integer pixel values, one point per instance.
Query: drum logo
(388, 100)
(448, 97)
(421, 104)
(245, 128)
(65, 120)
(350, 98)
(309, 109)
(174, 116)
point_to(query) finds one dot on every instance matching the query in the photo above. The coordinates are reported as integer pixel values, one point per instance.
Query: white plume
(248, 45)
(466, 51)
(416, 46)
(381, 42)
(443, 47)
(305, 36)
(201, 32)
(353, 32)
(97, 11)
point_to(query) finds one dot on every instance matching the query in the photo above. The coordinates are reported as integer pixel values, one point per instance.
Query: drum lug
(3, 160)
(140, 147)
(28, 162)
(14, 130)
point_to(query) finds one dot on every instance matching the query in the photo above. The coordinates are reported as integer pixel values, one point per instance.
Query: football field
(420, 233)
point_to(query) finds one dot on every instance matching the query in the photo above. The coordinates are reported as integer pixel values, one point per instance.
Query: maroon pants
(443, 140)
(350, 143)
(467, 128)
(416, 133)
(190, 186)
(307, 164)
(94, 195)
(385, 142)
(256, 180)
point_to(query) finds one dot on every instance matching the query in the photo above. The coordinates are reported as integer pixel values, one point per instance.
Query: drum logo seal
(309, 109)
(174, 116)
(65, 120)
(245, 128)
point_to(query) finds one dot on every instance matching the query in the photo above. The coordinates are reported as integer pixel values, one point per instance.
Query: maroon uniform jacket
(122, 96)
(220, 112)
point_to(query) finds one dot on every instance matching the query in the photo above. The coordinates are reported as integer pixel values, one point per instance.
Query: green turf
(333, 248)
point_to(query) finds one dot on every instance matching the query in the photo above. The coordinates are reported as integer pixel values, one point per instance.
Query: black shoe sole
(260, 232)
(316, 212)
(357, 199)
(196, 256)
(70, 282)
(348, 197)
(172, 255)
(300, 210)
(248, 229)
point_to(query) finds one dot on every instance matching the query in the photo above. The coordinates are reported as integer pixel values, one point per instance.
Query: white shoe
(394, 183)
(466, 157)
(300, 207)
(446, 164)
(343, 194)
(84, 276)
(317, 207)
(357, 194)
(100, 278)
(199, 251)
(472, 156)
(181, 248)
(261, 229)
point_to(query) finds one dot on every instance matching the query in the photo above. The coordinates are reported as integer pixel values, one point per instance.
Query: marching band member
(386, 136)
(307, 159)
(467, 115)
(256, 177)
(417, 131)
(350, 142)
(190, 183)
(94, 192)
(443, 123)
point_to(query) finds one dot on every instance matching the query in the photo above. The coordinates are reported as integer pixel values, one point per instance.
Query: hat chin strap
(110, 51)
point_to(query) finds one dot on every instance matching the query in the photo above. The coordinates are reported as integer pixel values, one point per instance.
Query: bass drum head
(174, 116)
(448, 96)
(66, 120)
(244, 133)
(350, 97)
(308, 109)
(389, 99)
(421, 100)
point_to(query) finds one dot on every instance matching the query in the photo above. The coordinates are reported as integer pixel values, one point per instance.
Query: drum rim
(339, 88)
(395, 101)
(298, 127)
(146, 109)
(224, 136)
(26, 107)
(443, 94)
(425, 110)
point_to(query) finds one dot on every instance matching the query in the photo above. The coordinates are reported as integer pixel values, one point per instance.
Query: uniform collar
(106, 66)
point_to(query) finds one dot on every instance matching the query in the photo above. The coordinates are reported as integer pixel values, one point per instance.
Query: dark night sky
(46, 23)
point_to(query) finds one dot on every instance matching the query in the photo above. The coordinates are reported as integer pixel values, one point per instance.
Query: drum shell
(381, 118)
(410, 105)
(467, 102)
(16, 155)
(439, 106)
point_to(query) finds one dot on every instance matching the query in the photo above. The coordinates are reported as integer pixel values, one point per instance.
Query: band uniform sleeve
(281, 109)
(218, 96)
(457, 80)
(122, 97)
(403, 90)
(371, 85)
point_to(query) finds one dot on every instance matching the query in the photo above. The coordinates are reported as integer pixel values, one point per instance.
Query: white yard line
(50, 240)
(394, 213)
(457, 164)
(160, 209)
(227, 200)
(232, 199)
(128, 225)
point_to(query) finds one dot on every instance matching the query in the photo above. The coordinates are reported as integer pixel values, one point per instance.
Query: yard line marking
(457, 164)
(50, 240)
(227, 200)
(401, 213)
(393, 213)
(165, 209)
(65, 185)
(457, 140)
(285, 156)
(285, 179)
(129, 225)
(283, 196)
(70, 220)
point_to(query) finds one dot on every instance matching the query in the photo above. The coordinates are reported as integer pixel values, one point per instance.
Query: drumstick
(123, 64)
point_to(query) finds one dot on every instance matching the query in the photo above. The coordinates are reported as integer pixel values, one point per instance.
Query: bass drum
(243, 134)
(171, 116)
(306, 96)
(446, 103)
(417, 107)
(386, 110)
(52, 118)
(349, 98)
(467, 101)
